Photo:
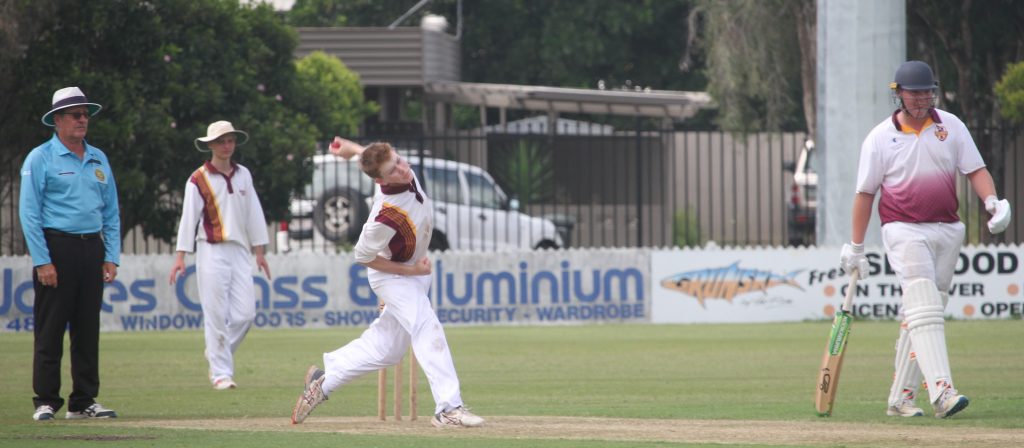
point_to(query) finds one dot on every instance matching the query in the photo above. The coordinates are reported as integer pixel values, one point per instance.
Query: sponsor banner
(793, 284)
(319, 291)
(543, 287)
(142, 298)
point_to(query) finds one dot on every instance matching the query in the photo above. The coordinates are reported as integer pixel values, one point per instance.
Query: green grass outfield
(761, 373)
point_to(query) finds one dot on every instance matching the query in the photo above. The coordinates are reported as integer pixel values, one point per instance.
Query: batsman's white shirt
(222, 217)
(398, 229)
(917, 172)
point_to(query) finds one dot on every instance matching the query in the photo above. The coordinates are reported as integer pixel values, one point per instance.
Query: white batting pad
(925, 323)
(908, 374)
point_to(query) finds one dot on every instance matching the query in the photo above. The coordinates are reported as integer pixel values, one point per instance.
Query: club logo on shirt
(100, 176)
(242, 191)
(941, 132)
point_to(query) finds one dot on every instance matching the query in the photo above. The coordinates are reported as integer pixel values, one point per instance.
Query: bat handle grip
(850, 289)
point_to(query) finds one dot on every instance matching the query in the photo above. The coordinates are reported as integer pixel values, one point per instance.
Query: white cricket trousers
(923, 251)
(407, 317)
(227, 294)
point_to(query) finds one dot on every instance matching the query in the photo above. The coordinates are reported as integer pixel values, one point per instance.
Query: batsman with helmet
(913, 158)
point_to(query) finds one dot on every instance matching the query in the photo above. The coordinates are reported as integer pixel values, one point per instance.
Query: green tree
(1010, 91)
(17, 28)
(527, 171)
(760, 62)
(163, 71)
(331, 95)
(346, 12)
(969, 44)
(686, 229)
(539, 42)
(578, 44)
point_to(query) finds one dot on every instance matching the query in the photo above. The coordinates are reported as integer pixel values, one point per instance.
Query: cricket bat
(832, 362)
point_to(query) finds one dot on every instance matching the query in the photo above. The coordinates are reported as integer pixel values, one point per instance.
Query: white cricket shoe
(311, 397)
(459, 416)
(906, 406)
(43, 413)
(312, 374)
(224, 383)
(95, 411)
(949, 403)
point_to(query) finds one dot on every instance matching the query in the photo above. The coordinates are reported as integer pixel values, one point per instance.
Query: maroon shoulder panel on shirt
(403, 244)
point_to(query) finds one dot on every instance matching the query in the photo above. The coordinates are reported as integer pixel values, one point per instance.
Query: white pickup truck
(471, 212)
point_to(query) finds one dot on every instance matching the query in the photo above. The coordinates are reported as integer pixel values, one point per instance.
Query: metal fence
(596, 185)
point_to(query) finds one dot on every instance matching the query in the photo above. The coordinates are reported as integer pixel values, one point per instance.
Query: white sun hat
(68, 97)
(216, 130)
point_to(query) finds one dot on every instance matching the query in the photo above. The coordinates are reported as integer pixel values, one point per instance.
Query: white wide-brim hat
(68, 97)
(216, 130)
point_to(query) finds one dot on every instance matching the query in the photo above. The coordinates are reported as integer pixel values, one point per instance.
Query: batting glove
(852, 257)
(1001, 215)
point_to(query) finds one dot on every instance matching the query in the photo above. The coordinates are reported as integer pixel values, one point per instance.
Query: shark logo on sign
(726, 283)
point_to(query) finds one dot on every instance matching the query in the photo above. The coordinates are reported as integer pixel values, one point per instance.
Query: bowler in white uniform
(393, 247)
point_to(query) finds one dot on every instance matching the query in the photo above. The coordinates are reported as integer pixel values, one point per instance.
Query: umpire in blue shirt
(70, 219)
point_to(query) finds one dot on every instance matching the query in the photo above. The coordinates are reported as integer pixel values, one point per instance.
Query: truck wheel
(340, 214)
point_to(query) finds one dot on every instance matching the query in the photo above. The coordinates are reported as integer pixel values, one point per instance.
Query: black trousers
(73, 305)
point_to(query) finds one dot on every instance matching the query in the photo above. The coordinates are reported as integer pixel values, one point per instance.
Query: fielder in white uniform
(393, 247)
(222, 217)
(913, 158)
